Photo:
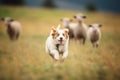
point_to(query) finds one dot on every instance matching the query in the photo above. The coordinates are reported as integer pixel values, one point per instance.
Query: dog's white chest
(60, 48)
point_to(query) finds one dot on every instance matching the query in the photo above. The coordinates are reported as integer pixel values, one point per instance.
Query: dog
(57, 43)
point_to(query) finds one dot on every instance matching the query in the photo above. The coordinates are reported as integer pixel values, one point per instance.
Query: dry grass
(26, 59)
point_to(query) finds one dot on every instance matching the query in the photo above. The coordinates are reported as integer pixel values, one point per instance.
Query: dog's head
(59, 35)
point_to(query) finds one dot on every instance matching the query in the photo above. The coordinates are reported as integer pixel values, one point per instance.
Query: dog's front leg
(55, 54)
(65, 54)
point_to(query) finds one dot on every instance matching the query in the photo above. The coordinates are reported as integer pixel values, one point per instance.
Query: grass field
(26, 59)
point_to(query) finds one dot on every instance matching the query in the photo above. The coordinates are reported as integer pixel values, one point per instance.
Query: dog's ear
(66, 30)
(66, 33)
(53, 29)
(58, 27)
(53, 32)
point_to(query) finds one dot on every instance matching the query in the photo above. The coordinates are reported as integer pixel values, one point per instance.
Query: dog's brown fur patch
(54, 33)
(66, 33)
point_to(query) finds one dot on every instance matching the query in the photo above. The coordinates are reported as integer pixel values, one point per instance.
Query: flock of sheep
(78, 31)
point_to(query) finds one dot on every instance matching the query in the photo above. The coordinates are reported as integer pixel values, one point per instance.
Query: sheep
(13, 27)
(94, 34)
(67, 24)
(80, 31)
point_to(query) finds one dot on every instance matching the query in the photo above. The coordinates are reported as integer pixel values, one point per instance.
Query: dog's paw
(56, 57)
(63, 58)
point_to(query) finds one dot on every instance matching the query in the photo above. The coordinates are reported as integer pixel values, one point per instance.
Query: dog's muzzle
(60, 40)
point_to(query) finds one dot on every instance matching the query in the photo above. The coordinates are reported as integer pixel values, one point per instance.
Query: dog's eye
(58, 34)
(63, 34)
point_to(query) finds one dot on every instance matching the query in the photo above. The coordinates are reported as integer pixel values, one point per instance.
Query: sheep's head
(79, 17)
(66, 21)
(95, 25)
(7, 20)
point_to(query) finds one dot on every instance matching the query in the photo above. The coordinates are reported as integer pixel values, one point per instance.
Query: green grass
(26, 59)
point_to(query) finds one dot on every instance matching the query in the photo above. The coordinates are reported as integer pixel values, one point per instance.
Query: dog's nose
(61, 38)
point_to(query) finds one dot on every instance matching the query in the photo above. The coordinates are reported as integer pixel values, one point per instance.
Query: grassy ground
(26, 59)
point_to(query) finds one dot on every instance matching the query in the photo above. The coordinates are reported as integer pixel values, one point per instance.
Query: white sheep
(94, 34)
(13, 27)
(80, 31)
(67, 24)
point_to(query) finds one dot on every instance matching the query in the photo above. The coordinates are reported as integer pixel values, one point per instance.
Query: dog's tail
(58, 27)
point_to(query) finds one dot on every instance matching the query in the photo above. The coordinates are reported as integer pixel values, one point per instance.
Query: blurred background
(90, 5)
(26, 59)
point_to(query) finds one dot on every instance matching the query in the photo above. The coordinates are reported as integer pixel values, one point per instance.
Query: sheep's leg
(76, 40)
(84, 41)
(11, 34)
(70, 41)
(17, 35)
(14, 36)
(93, 44)
(97, 44)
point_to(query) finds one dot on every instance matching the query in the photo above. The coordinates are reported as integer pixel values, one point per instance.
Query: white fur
(16, 25)
(51, 45)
